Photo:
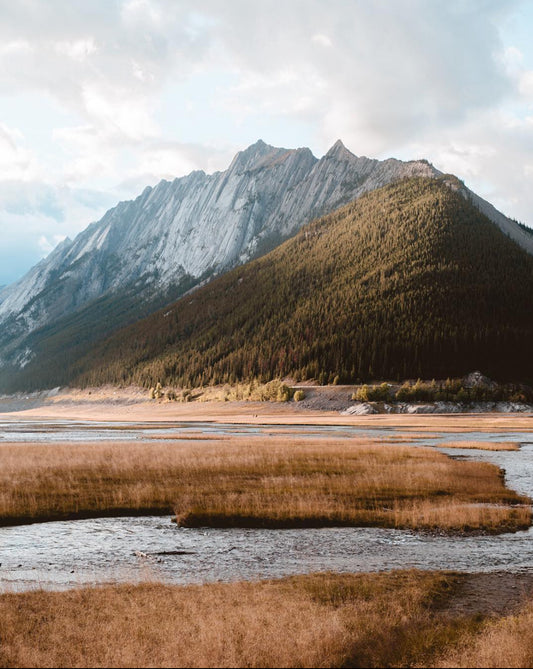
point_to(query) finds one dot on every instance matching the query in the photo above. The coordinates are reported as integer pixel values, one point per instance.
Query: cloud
(16, 160)
(393, 65)
(392, 70)
(156, 88)
(493, 154)
(526, 85)
(35, 217)
(376, 73)
(58, 44)
(322, 40)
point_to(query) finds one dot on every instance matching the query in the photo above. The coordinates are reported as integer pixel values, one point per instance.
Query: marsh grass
(320, 620)
(482, 445)
(258, 482)
(506, 642)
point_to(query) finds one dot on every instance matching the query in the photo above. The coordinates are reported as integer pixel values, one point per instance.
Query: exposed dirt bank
(133, 404)
(496, 593)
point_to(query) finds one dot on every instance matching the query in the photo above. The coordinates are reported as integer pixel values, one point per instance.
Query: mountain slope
(149, 251)
(409, 280)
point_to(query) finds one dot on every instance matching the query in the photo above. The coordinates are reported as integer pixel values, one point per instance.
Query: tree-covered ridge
(525, 228)
(407, 281)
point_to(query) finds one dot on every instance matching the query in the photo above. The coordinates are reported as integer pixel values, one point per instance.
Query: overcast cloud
(99, 98)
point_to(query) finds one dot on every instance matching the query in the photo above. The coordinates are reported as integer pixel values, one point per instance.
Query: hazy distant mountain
(146, 252)
(410, 280)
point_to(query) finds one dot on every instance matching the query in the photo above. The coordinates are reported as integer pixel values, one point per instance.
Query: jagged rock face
(190, 227)
(176, 234)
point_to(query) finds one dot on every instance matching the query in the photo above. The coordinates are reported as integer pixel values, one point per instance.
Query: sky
(100, 98)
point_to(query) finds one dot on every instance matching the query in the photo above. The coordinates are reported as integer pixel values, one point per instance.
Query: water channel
(72, 553)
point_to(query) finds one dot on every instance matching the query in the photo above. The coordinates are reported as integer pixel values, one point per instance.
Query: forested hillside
(410, 280)
(147, 252)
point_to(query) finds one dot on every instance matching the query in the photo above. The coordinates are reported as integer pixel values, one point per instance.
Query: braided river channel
(58, 555)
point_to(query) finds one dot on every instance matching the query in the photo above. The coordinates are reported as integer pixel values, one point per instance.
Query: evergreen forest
(408, 281)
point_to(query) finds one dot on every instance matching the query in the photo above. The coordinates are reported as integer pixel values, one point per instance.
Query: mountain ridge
(179, 233)
(408, 281)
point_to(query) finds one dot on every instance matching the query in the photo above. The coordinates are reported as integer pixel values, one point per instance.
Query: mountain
(410, 280)
(146, 252)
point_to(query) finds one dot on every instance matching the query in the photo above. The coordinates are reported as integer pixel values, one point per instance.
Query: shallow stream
(67, 554)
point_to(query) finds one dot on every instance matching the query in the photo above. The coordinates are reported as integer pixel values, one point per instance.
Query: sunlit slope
(410, 280)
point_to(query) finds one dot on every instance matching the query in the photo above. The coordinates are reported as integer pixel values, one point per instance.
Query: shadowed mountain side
(410, 280)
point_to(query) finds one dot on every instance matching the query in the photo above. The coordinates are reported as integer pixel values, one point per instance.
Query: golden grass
(321, 620)
(259, 482)
(482, 445)
(507, 642)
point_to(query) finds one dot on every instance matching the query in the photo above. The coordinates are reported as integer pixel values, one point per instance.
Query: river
(67, 554)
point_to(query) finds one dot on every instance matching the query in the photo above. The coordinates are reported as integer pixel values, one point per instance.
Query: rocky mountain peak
(339, 152)
(253, 157)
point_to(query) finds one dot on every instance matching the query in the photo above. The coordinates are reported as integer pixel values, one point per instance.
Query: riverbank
(405, 618)
(134, 405)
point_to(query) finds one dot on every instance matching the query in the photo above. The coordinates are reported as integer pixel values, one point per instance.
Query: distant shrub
(462, 395)
(451, 390)
(157, 392)
(361, 394)
(299, 395)
(419, 392)
(322, 379)
(274, 391)
(284, 394)
(381, 393)
(404, 394)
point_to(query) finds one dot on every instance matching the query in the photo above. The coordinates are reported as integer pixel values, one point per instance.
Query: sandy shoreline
(133, 405)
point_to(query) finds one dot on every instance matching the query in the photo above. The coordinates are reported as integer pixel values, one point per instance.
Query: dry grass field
(483, 445)
(307, 621)
(258, 482)
(507, 642)
(394, 619)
